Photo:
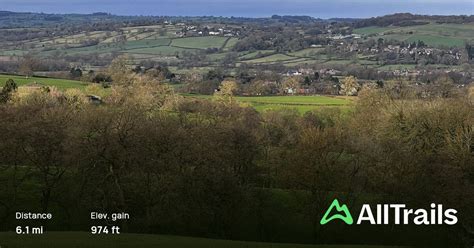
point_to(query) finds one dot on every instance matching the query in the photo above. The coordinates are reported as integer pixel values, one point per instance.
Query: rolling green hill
(168, 43)
(451, 35)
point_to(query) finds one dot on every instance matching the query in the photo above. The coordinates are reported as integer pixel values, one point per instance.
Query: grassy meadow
(200, 42)
(61, 84)
(302, 104)
(450, 35)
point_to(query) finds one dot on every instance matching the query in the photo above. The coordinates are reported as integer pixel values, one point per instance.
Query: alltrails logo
(347, 217)
(392, 213)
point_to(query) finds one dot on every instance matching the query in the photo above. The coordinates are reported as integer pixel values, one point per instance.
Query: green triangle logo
(346, 216)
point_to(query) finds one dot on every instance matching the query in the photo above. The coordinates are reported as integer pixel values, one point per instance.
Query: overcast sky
(252, 8)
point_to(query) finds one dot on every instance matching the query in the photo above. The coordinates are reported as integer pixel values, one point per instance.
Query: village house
(293, 73)
(331, 72)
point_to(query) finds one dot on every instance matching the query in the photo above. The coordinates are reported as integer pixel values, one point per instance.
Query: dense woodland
(218, 169)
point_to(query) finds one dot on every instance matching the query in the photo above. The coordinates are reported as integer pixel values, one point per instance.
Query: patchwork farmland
(165, 43)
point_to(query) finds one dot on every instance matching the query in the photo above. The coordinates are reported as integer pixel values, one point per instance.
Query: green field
(147, 43)
(253, 55)
(295, 100)
(371, 30)
(300, 103)
(85, 50)
(13, 52)
(200, 42)
(339, 62)
(437, 40)
(272, 58)
(61, 84)
(308, 52)
(160, 50)
(396, 67)
(300, 108)
(433, 34)
(230, 43)
(299, 62)
(86, 240)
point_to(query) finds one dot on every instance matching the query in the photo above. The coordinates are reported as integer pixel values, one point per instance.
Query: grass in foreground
(86, 240)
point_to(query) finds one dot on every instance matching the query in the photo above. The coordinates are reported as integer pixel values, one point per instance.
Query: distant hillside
(40, 20)
(10, 19)
(407, 19)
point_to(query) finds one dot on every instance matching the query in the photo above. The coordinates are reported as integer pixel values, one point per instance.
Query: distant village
(192, 30)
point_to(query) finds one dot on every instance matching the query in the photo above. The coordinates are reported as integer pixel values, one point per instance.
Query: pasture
(230, 43)
(256, 54)
(61, 84)
(434, 34)
(308, 52)
(271, 58)
(302, 104)
(295, 100)
(159, 50)
(200, 42)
